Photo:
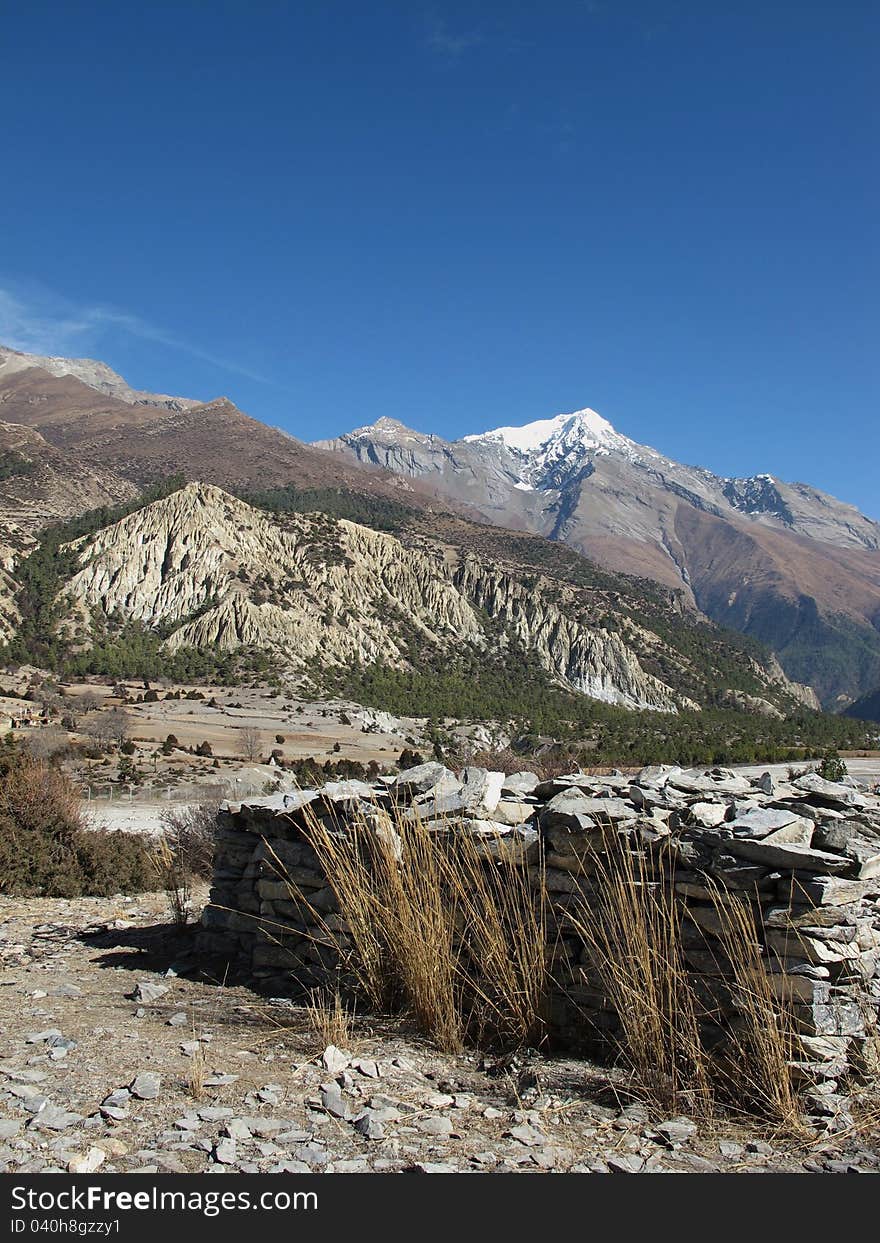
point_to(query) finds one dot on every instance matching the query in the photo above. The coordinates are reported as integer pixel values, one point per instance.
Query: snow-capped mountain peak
(582, 426)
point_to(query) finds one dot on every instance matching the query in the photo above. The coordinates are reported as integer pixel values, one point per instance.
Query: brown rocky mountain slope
(213, 441)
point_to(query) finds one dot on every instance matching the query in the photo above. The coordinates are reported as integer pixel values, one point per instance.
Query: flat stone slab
(789, 856)
(761, 821)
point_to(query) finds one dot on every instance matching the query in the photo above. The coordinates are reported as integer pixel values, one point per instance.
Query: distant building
(21, 713)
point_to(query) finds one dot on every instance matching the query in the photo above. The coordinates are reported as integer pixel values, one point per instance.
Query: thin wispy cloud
(41, 322)
(447, 43)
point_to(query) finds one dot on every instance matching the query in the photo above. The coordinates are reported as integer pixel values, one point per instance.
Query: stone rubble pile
(805, 853)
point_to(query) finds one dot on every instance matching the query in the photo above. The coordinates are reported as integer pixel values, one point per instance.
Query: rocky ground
(119, 1051)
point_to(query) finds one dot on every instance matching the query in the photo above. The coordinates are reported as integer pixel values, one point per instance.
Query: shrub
(185, 854)
(190, 835)
(46, 848)
(128, 772)
(204, 748)
(832, 768)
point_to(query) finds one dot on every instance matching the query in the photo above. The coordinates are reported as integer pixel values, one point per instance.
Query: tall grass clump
(691, 1043)
(632, 932)
(440, 928)
(763, 1040)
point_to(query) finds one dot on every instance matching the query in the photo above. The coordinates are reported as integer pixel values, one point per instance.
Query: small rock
(335, 1060)
(214, 1113)
(65, 990)
(438, 1100)
(366, 1066)
(118, 1098)
(311, 1154)
(114, 1147)
(147, 991)
(626, 1164)
(369, 1126)
(179, 1019)
(54, 1118)
(225, 1151)
(676, 1130)
(171, 1164)
(437, 1124)
(146, 1086)
(88, 1163)
(332, 1101)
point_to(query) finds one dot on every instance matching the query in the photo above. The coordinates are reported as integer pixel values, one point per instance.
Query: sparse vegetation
(46, 847)
(330, 1018)
(832, 768)
(519, 694)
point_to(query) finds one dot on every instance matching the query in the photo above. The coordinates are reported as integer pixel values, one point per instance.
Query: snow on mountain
(582, 426)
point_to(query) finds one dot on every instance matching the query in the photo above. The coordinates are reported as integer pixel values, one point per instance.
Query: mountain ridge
(575, 479)
(782, 563)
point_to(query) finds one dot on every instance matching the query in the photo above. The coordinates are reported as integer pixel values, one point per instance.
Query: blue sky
(462, 215)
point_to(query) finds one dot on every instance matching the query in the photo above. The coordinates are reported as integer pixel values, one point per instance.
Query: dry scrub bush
(190, 834)
(46, 847)
(184, 854)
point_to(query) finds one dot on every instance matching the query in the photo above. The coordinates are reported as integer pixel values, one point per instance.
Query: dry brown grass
(438, 928)
(175, 878)
(330, 1018)
(764, 1041)
(195, 1080)
(451, 929)
(632, 932)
